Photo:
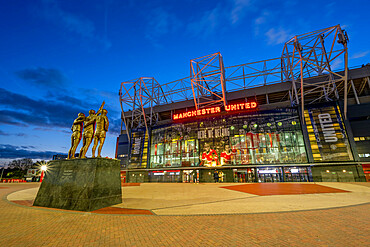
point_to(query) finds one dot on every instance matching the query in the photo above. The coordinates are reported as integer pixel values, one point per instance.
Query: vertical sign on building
(327, 134)
(136, 149)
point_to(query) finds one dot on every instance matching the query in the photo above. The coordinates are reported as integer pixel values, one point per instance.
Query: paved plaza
(154, 214)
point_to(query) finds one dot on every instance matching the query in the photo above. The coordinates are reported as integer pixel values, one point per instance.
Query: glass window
(265, 138)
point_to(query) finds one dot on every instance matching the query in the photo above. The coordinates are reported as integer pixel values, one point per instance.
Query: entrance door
(190, 176)
(296, 174)
(269, 175)
(269, 178)
(244, 176)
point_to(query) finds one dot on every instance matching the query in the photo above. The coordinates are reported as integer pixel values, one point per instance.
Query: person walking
(215, 176)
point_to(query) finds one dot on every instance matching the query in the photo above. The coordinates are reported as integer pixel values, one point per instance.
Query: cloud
(22, 110)
(277, 36)
(159, 23)
(46, 115)
(53, 130)
(100, 93)
(5, 118)
(337, 64)
(69, 100)
(260, 21)
(43, 76)
(239, 10)
(114, 127)
(360, 54)
(12, 152)
(2, 133)
(207, 24)
(76, 24)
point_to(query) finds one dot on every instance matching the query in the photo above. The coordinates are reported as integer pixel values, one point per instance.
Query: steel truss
(307, 62)
(141, 95)
(314, 54)
(207, 76)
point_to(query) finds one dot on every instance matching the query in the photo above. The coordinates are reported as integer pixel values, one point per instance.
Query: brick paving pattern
(115, 210)
(26, 226)
(283, 189)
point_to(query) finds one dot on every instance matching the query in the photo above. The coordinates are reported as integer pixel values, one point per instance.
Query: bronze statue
(102, 125)
(76, 128)
(88, 133)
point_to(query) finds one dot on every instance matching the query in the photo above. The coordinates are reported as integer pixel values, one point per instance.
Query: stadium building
(295, 118)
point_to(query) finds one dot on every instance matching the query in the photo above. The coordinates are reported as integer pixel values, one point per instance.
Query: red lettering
(213, 110)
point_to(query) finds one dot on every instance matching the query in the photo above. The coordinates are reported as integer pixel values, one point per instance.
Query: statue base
(81, 184)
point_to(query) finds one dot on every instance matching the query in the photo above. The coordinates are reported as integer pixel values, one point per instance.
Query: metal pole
(302, 97)
(355, 93)
(222, 78)
(345, 79)
(2, 173)
(299, 48)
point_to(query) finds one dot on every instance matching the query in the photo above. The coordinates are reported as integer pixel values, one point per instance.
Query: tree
(21, 164)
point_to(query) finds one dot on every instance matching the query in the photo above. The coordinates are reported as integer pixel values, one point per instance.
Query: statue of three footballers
(84, 128)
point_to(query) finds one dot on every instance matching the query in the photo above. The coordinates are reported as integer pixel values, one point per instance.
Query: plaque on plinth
(81, 184)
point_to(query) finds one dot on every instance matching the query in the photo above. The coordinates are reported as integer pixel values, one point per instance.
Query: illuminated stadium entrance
(277, 120)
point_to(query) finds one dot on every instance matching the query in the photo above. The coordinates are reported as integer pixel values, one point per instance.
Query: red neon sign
(241, 106)
(197, 113)
(214, 110)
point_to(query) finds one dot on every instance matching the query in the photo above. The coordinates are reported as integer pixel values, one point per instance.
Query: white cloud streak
(239, 10)
(73, 23)
(360, 54)
(277, 36)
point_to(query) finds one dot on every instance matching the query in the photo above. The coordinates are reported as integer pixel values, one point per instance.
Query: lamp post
(43, 169)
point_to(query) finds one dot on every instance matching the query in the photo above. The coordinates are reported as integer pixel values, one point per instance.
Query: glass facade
(262, 138)
(249, 147)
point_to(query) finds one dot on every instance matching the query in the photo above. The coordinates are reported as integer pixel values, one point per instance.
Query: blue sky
(59, 58)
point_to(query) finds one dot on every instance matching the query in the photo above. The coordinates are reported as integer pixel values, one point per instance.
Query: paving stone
(27, 226)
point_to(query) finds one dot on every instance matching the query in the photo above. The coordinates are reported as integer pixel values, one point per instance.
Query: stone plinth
(81, 184)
